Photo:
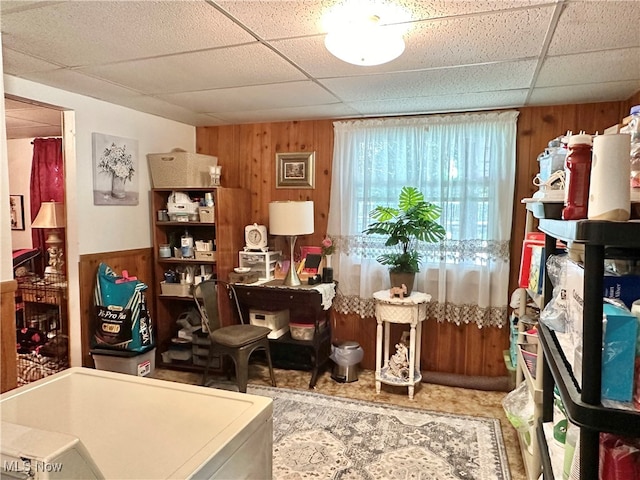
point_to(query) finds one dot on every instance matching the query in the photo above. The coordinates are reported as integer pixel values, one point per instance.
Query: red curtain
(47, 179)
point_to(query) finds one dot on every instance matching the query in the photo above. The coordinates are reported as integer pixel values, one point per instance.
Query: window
(464, 163)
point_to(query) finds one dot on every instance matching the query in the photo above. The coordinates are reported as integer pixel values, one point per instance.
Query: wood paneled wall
(138, 263)
(9, 357)
(247, 155)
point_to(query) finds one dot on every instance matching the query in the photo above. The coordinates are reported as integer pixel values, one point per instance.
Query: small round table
(410, 310)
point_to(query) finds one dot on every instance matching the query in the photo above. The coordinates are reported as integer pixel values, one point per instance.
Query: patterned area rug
(322, 437)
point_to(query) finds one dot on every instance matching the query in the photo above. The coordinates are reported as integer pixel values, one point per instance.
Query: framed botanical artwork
(115, 170)
(17, 211)
(295, 170)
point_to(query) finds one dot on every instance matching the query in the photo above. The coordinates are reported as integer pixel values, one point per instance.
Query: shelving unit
(231, 214)
(583, 405)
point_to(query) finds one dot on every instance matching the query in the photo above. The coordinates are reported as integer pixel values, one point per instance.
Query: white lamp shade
(50, 215)
(291, 218)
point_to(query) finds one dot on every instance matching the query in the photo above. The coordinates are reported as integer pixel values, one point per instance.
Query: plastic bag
(619, 457)
(518, 406)
(346, 356)
(554, 314)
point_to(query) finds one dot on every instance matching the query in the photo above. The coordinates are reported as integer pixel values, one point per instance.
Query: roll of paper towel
(609, 191)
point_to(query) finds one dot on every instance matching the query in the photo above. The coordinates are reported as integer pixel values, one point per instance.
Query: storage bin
(277, 321)
(131, 363)
(175, 289)
(208, 256)
(207, 214)
(305, 331)
(179, 169)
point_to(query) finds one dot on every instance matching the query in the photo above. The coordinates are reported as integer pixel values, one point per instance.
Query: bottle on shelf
(578, 172)
(186, 245)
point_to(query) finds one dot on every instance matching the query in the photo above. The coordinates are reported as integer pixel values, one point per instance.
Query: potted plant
(411, 221)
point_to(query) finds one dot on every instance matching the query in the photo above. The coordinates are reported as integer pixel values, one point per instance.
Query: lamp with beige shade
(51, 216)
(291, 218)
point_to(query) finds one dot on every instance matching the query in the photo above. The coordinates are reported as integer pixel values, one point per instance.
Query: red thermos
(578, 173)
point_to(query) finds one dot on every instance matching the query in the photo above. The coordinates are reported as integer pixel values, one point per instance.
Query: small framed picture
(295, 170)
(17, 211)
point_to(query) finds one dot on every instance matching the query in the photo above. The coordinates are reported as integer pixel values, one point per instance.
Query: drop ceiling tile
(446, 8)
(105, 32)
(73, 81)
(442, 103)
(201, 70)
(477, 78)
(281, 19)
(336, 110)
(596, 92)
(612, 65)
(476, 39)
(294, 18)
(590, 26)
(259, 97)
(17, 63)
(161, 108)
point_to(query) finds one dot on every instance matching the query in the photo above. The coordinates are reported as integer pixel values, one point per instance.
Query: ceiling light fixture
(366, 34)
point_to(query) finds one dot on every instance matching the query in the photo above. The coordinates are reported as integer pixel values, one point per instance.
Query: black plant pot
(399, 279)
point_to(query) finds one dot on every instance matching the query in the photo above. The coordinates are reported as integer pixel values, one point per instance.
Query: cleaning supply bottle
(186, 245)
(578, 172)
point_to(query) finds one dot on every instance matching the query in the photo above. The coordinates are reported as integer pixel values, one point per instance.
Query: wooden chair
(237, 341)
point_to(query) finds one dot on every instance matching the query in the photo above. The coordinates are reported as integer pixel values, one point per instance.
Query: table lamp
(51, 216)
(291, 219)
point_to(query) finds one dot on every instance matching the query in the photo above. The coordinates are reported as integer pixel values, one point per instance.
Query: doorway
(42, 326)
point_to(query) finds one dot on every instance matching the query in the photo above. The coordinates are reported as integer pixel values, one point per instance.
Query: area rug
(318, 436)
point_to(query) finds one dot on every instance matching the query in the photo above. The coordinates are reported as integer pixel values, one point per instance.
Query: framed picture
(295, 170)
(17, 211)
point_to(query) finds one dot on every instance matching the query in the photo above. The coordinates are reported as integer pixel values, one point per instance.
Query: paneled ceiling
(247, 61)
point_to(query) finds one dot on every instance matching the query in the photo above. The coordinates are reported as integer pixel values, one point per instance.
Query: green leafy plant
(411, 221)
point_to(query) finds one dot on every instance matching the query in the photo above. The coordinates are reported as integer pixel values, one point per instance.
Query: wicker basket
(179, 169)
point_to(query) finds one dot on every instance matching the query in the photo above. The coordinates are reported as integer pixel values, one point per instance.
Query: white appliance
(85, 423)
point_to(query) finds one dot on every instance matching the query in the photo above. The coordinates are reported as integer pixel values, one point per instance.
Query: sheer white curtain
(464, 163)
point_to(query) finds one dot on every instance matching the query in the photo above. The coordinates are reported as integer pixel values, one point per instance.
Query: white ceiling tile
(596, 25)
(76, 82)
(477, 78)
(200, 70)
(612, 65)
(596, 92)
(260, 97)
(112, 31)
(280, 19)
(161, 108)
(442, 103)
(17, 63)
(476, 39)
(336, 110)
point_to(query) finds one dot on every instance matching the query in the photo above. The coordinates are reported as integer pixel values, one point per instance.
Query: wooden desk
(305, 305)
